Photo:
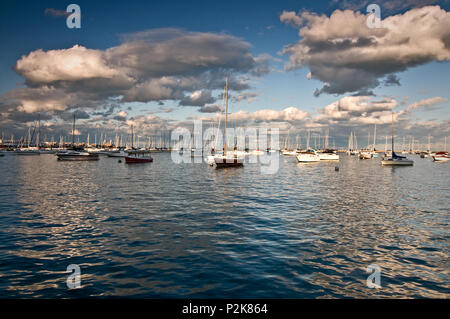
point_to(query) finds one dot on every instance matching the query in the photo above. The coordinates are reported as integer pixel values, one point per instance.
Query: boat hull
(441, 159)
(114, 154)
(397, 163)
(228, 161)
(328, 157)
(27, 153)
(90, 157)
(135, 160)
(308, 158)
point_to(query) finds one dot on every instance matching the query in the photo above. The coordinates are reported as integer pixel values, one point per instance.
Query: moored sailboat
(396, 159)
(137, 156)
(308, 156)
(76, 153)
(227, 159)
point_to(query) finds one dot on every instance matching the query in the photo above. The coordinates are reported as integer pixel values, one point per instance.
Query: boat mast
(38, 137)
(309, 136)
(374, 136)
(132, 137)
(392, 133)
(73, 130)
(226, 115)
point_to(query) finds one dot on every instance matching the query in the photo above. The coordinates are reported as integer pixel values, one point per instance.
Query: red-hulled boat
(441, 157)
(138, 156)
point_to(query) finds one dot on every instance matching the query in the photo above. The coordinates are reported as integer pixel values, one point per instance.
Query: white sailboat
(30, 150)
(374, 151)
(308, 155)
(328, 154)
(76, 153)
(227, 159)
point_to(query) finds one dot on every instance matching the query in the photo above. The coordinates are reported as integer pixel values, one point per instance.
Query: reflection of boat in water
(256, 152)
(228, 159)
(441, 157)
(308, 156)
(396, 159)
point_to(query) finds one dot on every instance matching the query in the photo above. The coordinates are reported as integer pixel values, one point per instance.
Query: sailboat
(308, 155)
(328, 154)
(137, 155)
(228, 159)
(76, 153)
(29, 150)
(374, 151)
(396, 159)
(366, 153)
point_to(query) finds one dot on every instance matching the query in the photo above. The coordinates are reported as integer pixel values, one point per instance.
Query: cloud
(162, 109)
(387, 6)
(426, 103)
(356, 110)
(56, 13)
(121, 116)
(290, 17)
(155, 65)
(198, 98)
(74, 64)
(290, 114)
(347, 56)
(249, 97)
(213, 108)
(79, 115)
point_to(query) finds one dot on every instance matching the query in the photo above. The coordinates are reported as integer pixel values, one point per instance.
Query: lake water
(188, 230)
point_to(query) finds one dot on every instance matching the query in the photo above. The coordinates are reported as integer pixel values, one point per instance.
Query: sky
(294, 65)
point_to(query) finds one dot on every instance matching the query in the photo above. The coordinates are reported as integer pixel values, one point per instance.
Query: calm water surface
(188, 230)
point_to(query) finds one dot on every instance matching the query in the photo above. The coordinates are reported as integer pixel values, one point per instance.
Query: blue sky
(24, 28)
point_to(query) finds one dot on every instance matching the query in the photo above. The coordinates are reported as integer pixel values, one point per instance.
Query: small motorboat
(441, 157)
(76, 154)
(138, 156)
(365, 155)
(118, 153)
